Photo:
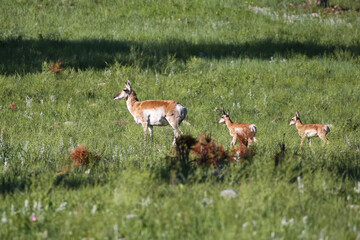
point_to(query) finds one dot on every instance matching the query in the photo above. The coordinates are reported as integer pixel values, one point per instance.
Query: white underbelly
(155, 117)
(311, 133)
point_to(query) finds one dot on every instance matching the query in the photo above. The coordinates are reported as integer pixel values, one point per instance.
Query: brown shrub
(81, 156)
(207, 152)
(56, 67)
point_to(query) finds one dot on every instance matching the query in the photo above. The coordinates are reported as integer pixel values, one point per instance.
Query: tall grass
(262, 60)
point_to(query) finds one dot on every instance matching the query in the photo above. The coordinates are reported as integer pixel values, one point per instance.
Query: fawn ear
(128, 85)
(297, 115)
(228, 112)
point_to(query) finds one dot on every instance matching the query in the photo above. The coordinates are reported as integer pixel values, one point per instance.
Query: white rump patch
(181, 110)
(327, 128)
(253, 128)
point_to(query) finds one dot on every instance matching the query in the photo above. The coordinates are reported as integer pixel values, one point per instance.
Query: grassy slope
(263, 67)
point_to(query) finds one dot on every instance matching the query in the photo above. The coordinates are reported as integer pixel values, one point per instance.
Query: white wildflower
(131, 215)
(208, 201)
(303, 234)
(28, 101)
(300, 185)
(357, 189)
(12, 210)
(284, 222)
(5, 162)
(304, 219)
(145, 202)
(157, 79)
(93, 210)
(229, 193)
(4, 219)
(26, 205)
(116, 230)
(61, 207)
(245, 224)
(42, 150)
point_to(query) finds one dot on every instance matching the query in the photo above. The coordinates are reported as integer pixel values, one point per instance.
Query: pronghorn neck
(130, 102)
(228, 122)
(298, 123)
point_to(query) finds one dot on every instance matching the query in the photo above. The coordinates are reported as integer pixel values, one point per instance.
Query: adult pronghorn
(151, 113)
(239, 130)
(309, 130)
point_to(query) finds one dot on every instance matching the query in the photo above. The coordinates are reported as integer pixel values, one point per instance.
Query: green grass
(262, 60)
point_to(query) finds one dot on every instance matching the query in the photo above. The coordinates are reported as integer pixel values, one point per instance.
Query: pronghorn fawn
(309, 130)
(242, 131)
(151, 113)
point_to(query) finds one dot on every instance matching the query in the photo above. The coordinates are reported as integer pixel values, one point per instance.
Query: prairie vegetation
(61, 63)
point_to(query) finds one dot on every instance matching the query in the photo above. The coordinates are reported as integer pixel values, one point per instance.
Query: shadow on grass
(27, 56)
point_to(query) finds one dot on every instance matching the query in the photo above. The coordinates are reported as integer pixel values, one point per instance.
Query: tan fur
(317, 130)
(239, 130)
(151, 113)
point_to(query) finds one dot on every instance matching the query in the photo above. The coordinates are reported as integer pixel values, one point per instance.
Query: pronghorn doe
(243, 131)
(151, 113)
(309, 130)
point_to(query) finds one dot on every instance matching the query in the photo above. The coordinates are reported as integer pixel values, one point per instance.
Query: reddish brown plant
(81, 156)
(208, 152)
(56, 67)
(13, 106)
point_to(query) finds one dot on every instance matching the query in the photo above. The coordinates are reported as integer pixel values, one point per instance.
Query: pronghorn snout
(117, 97)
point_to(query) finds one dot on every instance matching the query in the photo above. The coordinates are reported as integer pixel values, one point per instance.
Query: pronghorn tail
(253, 128)
(327, 127)
(182, 112)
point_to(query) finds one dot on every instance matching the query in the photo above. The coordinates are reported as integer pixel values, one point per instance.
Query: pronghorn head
(295, 118)
(224, 115)
(124, 94)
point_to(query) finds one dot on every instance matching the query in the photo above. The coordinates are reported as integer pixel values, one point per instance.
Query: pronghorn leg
(175, 125)
(323, 137)
(249, 141)
(151, 131)
(302, 140)
(145, 127)
(233, 142)
(254, 139)
(309, 141)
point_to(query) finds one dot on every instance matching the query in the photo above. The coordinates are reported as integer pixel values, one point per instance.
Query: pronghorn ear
(128, 84)
(228, 112)
(297, 115)
(223, 111)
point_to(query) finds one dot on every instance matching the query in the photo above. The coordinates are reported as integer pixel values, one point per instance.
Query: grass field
(263, 60)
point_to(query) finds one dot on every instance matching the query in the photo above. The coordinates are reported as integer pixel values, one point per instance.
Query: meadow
(263, 60)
